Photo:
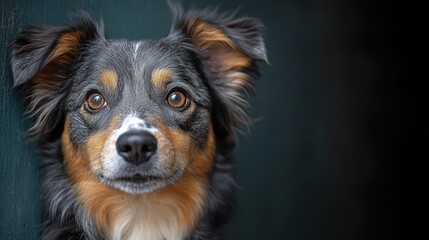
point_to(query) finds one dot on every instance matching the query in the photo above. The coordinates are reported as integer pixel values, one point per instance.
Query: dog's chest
(146, 219)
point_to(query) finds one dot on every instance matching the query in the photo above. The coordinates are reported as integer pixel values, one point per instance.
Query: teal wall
(321, 163)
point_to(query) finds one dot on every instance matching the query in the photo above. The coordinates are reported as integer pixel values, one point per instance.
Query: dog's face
(139, 115)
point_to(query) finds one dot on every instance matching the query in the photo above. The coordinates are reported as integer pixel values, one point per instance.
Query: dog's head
(139, 114)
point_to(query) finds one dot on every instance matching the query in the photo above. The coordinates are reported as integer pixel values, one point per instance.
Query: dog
(136, 137)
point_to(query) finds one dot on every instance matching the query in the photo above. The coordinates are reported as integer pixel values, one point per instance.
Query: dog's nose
(136, 146)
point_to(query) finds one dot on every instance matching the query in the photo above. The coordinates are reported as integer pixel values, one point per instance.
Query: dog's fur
(186, 190)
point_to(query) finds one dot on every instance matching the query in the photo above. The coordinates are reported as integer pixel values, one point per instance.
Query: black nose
(136, 146)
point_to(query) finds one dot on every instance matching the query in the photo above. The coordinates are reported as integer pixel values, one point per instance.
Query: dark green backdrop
(321, 164)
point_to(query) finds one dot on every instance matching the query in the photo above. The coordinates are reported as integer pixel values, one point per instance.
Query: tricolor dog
(136, 136)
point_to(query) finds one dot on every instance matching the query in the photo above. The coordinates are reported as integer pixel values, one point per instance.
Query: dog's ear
(42, 58)
(230, 48)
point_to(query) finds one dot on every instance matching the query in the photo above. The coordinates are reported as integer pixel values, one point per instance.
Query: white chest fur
(148, 219)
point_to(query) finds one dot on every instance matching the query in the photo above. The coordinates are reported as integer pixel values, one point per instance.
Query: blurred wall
(327, 160)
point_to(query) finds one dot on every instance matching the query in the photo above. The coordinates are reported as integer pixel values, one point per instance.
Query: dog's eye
(95, 101)
(177, 99)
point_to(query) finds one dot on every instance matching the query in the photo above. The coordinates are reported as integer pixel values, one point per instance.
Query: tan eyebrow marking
(160, 77)
(109, 78)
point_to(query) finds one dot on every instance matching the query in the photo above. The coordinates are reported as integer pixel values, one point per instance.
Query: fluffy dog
(136, 136)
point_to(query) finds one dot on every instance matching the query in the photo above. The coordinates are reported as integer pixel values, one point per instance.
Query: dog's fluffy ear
(230, 48)
(42, 58)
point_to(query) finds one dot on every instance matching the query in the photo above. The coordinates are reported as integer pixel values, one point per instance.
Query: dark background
(335, 155)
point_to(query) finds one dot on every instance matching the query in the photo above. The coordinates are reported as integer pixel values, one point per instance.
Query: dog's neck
(168, 213)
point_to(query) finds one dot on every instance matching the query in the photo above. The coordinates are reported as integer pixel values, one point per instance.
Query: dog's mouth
(137, 178)
(139, 184)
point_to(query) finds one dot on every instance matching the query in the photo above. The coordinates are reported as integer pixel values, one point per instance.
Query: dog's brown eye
(177, 99)
(95, 101)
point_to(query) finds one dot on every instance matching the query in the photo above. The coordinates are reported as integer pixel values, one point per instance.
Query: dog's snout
(136, 146)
